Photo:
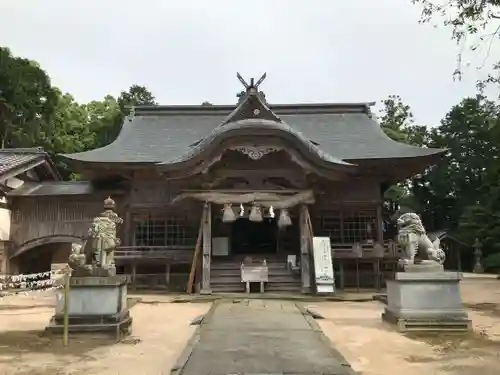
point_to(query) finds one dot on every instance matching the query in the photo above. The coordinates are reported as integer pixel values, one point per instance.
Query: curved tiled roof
(249, 124)
(339, 132)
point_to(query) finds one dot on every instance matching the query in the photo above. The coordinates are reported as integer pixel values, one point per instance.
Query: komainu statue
(96, 256)
(417, 248)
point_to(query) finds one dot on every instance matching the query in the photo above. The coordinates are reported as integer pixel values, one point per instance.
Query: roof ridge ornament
(252, 88)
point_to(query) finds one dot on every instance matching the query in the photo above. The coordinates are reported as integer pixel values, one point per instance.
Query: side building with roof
(19, 166)
(227, 182)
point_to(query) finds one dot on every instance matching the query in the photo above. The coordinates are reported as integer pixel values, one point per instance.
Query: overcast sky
(189, 51)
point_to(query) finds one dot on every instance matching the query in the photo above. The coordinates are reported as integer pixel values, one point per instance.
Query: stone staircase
(225, 276)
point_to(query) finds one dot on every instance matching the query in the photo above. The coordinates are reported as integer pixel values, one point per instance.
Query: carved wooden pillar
(207, 249)
(305, 257)
(380, 224)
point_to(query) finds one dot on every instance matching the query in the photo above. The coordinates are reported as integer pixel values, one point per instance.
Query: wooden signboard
(323, 265)
(254, 274)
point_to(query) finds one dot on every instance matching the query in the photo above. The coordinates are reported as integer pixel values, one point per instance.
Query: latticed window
(359, 226)
(160, 231)
(347, 226)
(331, 225)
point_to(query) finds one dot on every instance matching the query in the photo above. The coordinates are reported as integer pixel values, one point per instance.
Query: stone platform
(259, 337)
(95, 304)
(426, 301)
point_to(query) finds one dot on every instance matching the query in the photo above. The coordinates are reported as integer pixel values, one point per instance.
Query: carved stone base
(96, 304)
(89, 270)
(426, 301)
(428, 325)
(424, 267)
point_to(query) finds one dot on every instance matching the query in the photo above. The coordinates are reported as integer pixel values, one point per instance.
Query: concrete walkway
(259, 337)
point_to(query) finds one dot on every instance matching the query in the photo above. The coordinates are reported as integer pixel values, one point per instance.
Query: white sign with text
(323, 265)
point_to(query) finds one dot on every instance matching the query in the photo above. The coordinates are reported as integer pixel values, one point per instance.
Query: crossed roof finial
(253, 85)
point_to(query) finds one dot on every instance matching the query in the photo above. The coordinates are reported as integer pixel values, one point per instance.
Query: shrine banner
(323, 265)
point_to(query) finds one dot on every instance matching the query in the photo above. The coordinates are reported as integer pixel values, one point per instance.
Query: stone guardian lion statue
(417, 247)
(96, 256)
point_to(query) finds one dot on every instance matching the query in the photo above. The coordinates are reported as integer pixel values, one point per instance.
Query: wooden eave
(397, 169)
(40, 161)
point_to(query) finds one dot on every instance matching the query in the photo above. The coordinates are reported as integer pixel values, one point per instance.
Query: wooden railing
(342, 251)
(180, 254)
(367, 271)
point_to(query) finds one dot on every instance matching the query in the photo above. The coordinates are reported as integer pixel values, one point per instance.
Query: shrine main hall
(201, 188)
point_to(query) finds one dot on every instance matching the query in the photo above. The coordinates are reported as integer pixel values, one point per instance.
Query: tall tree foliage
(475, 23)
(27, 101)
(110, 113)
(396, 120)
(34, 113)
(460, 179)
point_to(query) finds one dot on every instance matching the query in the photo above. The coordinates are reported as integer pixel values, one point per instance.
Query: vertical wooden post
(67, 276)
(197, 249)
(305, 241)
(128, 232)
(380, 225)
(134, 273)
(207, 250)
(167, 274)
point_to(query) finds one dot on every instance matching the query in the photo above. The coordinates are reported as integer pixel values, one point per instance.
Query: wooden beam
(263, 199)
(244, 191)
(305, 243)
(196, 254)
(380, 225)
(207, 249)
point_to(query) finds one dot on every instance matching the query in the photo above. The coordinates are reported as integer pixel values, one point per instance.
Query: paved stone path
(260, 337)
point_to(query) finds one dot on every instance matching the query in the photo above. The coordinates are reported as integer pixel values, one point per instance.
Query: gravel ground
(161, 330)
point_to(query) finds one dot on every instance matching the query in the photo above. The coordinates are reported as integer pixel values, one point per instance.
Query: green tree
(396, 118)
(136, 95)
(461, 179)
(473, 22)
(103, 117)
(108, 116)
(27, 101)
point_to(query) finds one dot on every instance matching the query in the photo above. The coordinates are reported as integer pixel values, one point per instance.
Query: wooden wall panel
(34, 218)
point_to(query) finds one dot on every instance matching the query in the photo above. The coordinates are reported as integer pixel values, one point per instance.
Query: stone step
(234, 266)
(295, 288)
(237, 280)
(231, 288)
(270, 287)
(237, 272)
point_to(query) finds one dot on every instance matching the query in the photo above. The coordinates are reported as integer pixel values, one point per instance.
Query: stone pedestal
(426, 301)
(96, 304)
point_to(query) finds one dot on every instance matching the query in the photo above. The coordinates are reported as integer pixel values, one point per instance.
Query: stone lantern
(478, 254)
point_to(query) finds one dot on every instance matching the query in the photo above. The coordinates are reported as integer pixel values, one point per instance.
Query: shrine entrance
(254, 238)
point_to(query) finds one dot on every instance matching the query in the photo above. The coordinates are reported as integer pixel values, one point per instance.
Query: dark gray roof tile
(16, 157)
(166, 134)
(57, 188)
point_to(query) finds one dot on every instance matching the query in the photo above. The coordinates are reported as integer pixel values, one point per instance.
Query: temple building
(202, 187)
